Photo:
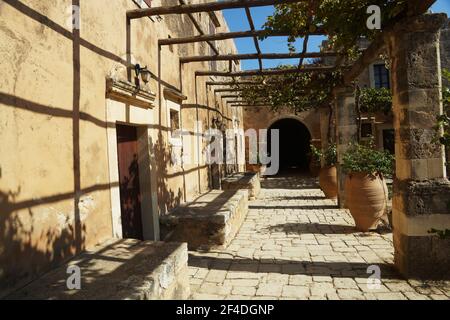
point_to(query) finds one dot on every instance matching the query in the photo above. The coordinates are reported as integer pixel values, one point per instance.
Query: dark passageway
(295, 142)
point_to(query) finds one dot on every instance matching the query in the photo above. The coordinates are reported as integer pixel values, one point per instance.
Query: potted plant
(328, 173)
(365, 188)
(314, 162)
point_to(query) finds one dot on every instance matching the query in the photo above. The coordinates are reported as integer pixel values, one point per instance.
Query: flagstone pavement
(296, 244)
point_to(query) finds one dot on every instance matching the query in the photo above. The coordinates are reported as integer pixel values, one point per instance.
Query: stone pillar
(346, 132)
(324, 114)
(421, 199)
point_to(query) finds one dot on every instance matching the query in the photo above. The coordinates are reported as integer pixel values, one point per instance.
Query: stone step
(243, 181)
(211, 220)
(118, 269)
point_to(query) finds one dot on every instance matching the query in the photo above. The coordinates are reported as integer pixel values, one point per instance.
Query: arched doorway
(295, 141)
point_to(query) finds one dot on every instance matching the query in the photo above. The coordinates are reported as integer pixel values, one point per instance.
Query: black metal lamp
(214, 122)
(143, 72)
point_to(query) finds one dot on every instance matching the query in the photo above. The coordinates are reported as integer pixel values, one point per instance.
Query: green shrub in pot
(330, 155)
(316, 154)
(365, 159)
(314, 162)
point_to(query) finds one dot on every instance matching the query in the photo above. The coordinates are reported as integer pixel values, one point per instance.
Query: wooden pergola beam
(369, 55)
(263, 72)
(203, 7)
(260, 100)
(255, 39)
(417, 7)
(228, 90)
(232, 83)
(199, 28)
(248, 105)
(228, 96)
(254, 56)
(226, 35)
(306, 39)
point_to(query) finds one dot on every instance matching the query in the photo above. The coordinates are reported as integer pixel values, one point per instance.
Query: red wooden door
(130, 194)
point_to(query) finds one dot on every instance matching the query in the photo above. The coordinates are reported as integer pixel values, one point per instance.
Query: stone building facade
(83, 140)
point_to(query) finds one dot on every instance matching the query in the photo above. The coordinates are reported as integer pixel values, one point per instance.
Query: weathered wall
(258, 118)
(55, 185)
(445, 63)
(445, 46)
(262, 118)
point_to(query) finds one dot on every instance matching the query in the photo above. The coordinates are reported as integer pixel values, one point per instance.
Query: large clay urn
(366, 198)
(347, 196)
(328, 181)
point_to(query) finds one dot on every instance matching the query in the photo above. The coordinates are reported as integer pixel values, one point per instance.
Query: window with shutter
(381, 76)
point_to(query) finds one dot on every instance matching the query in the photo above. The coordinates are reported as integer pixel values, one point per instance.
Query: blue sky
(237, 21)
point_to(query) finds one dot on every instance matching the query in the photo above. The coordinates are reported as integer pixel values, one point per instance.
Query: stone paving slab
(296, 244)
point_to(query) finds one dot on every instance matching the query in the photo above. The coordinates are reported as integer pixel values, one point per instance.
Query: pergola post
(346, 132)
(421, 199)
(324, 115)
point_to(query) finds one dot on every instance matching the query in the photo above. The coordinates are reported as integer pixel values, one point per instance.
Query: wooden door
(130, 194)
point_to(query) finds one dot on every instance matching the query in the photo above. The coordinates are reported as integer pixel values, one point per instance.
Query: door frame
(121, 113)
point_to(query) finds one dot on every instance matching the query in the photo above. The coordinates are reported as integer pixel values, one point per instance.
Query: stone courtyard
(296, 244)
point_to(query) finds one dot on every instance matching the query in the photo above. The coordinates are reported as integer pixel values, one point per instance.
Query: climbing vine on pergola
(344, 21)
(297, 92)
(307, 84)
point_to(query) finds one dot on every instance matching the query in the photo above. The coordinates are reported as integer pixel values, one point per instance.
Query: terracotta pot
(347, 195)
(314, 168)
(328, 181)
(366, 198)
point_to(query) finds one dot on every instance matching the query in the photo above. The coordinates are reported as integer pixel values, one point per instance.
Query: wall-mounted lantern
(143, 72)
(215, 122)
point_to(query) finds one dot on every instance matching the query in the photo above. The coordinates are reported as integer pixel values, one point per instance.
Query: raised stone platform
(119, 269)
(248, 181)
(211, 220)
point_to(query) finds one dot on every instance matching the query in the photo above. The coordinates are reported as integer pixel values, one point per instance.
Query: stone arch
(294, 117)
(294, 142)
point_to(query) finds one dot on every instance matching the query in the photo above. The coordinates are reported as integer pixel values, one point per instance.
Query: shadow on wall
(167, 198)
(25, 254)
